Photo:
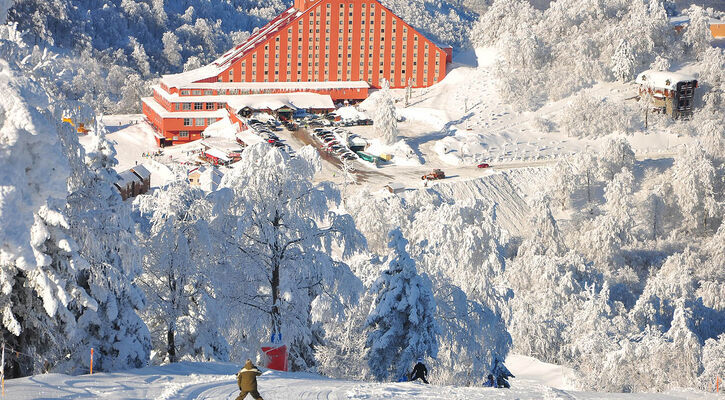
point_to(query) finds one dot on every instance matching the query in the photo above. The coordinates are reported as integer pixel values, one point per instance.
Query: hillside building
(328, 47)
(671, 93)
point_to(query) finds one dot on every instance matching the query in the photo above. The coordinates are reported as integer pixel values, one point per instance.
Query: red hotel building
(334, 47)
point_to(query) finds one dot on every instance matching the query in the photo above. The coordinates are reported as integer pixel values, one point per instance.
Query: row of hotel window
(222, 92)
(200, 121)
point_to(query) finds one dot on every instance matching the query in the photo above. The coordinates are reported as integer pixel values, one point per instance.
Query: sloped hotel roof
(227, 59)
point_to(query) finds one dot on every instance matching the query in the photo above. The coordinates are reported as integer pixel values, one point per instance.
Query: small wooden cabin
(670, 92)
(133, 182)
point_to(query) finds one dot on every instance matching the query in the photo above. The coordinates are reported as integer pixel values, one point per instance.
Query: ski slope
(189, 380)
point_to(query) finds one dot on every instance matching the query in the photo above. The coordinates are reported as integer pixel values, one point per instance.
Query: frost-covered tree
(402, 316)
(39, 261)
(674, 281)
(384, 120)
(562, 183)
(623, 61)
(172, 49)
(616, 155)
(281, 229)
(102, 226)
(695, 176)
(474, 259)
(183, 310)
(660, 64)
(472, 337)
(547, 291)
(588, 116)
(697, 34)
(139, 55)
(713, 362)
(546, 237)
(586, 166)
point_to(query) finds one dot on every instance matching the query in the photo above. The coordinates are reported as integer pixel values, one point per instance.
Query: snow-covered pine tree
(182, 306)
(402, 317)
(101, 223)
(384, 120)
(623, 61)
(39, 261)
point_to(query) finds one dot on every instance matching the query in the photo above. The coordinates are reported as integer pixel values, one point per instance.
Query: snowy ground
(534, 380)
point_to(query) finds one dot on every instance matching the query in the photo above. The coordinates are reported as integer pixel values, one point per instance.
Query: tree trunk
(171, 346)
(276, 261)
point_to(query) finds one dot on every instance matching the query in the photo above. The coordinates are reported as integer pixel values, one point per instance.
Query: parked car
(348, 156)
(482, 165)
(436, 174)
(365, 121)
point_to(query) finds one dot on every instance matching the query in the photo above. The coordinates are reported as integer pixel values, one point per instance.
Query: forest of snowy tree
(621, 278)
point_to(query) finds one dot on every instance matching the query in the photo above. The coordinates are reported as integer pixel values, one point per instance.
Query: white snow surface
(189, 380)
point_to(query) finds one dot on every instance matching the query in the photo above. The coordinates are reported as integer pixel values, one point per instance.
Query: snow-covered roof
(184, 78)
(141, 171)
(217, 154)
(662, 79)
(163, 113)
(301, 100)
(125, 178)
(685, 19)
(249, 138)
(395, 185)
(224, 144)
(357, 141)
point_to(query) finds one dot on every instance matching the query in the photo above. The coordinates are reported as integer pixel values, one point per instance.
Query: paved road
(411, 176)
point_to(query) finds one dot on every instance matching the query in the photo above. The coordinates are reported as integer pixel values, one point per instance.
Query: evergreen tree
(39, 261)
(101, 223)
(384, 120)
(402, 316)
(623, 61)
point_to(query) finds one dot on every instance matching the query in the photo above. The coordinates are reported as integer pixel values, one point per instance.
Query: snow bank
(222, 128)
(532, 370)
(350, 113)
(403, 154)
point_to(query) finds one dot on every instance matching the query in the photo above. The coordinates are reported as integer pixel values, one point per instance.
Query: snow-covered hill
(188, 380)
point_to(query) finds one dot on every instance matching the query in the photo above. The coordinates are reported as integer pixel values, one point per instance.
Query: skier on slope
(247, 381)
(419, 371)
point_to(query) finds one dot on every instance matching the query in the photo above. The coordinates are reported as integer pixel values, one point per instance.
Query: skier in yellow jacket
(247, 381)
